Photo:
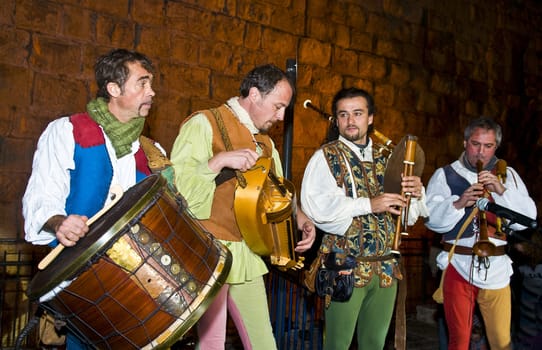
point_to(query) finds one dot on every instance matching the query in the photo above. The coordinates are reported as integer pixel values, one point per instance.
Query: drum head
(395, 166)
(103, 232)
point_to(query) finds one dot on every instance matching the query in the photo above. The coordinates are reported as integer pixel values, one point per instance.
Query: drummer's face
(353, 119)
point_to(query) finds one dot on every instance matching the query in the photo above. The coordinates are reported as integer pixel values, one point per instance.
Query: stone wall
(431, 65)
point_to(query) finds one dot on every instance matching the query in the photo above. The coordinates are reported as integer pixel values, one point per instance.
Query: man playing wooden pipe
(343, 193)
(452, 193)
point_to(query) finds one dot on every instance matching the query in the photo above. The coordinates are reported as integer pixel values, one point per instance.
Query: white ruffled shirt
(328, 206)
(444, 216)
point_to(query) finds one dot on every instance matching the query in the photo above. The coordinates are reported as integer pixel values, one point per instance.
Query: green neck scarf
(122, 135)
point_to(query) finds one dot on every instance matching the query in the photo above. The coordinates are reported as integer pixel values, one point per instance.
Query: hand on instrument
(308, 232)
(470, 196)
(72, 228)
(391, 202)
(491, 182)
(239, 159)
(412, 184)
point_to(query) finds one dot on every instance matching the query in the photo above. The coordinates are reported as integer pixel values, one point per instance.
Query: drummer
(80, 156)
(342, 192)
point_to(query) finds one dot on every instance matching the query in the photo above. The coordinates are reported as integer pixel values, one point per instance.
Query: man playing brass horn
(452, 193)
(343, 193)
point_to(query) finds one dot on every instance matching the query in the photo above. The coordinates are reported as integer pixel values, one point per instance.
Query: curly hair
(113, 68)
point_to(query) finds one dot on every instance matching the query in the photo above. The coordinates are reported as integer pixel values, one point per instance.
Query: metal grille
(297, 316)
(16, 270)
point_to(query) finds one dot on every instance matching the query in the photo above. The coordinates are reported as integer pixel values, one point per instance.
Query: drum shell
(151, 304)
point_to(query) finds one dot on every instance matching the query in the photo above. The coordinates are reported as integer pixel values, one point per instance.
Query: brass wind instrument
(408, 170)
(483, 247)
(386, 147)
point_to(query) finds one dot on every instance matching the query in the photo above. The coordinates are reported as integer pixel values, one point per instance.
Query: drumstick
(115, 192)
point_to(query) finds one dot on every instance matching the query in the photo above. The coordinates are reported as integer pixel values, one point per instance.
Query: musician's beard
(356, 137)
(264, 129)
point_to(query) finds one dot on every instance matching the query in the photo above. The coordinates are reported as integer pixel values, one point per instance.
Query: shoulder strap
(227, 143)
(461, 230)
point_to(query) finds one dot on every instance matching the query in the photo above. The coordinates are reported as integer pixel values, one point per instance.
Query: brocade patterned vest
(370, 237)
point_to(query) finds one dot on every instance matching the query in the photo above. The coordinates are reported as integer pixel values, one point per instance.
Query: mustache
(146, 103)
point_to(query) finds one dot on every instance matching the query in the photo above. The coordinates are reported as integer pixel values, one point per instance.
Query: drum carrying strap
(158, 162)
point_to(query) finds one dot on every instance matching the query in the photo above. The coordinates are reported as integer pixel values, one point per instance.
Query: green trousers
(368, 312)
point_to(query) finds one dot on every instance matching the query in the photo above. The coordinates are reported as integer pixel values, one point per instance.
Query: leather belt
(462, 250)
(373, 258)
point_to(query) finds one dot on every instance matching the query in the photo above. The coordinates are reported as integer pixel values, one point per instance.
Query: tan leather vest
(222, 223)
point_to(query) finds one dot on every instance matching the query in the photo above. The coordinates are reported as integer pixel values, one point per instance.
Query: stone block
(77, 23)
(385, 95)
(15, 157)
(185, 49)
(61, 94)
(288, 20)
(314, 52)
(115, 32)
(253, 36)
(255, 12)
(15, 85)
(63, 57)
(149, 12)
(361, 41)
(371, 66)
(154, 40)
(280, 43)
(14, 46)
(39, 16)
(345, 61)
(215, 55)
(117, 8)
(228, 29)
(10, 219)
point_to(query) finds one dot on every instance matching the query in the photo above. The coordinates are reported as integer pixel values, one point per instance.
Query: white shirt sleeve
(324, 202)
(417, 208)
(516, 197)
(49, 183)
(329, 207)
(443, 215)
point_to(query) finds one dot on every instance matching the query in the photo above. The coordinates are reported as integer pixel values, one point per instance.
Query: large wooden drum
(142, 276)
